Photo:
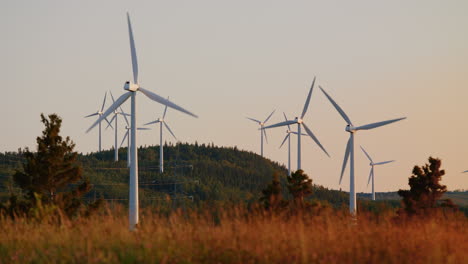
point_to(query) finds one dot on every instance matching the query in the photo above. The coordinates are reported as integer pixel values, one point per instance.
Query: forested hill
(192, 172)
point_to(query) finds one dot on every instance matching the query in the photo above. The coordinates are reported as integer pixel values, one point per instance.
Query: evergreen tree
(48, 173)
(271, 195)
(300, 186)
(425, 190)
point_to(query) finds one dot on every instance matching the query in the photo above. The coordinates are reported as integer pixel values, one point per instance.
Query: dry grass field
(236, 235)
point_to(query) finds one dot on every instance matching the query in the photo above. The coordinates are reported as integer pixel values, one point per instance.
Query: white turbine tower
(262, 132)
(116, 113)
(132, 89)
(349, 153)
(300, 122)
(99, 114)
(288, 137)
(162, 121)
(371, 174)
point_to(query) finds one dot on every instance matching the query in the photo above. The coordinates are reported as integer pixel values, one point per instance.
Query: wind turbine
(133, 88)
(349, 153)
(99, 113)
(300, 122)
(288, 137)
(262, 132)
(162, 121)
(116, 113)
(371, 174)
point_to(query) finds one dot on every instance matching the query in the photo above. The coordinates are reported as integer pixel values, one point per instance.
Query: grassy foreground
(236, 236)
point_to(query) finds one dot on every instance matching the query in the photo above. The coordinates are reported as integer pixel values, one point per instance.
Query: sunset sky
(225, 60)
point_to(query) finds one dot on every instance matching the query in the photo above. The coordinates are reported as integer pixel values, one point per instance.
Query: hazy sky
(225, 60)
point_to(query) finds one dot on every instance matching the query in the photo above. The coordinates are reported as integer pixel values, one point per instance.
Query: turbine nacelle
(298, 120)
(133, 87)
(350, 129)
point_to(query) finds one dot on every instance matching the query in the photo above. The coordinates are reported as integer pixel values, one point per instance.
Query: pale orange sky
(225, 60)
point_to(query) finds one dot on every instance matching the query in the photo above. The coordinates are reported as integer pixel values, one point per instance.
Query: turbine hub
(133, 87)
(298, 120)
(350, 129)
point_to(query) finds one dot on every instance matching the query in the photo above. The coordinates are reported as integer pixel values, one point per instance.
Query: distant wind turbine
(288, 137)
(99, 113)
(371, 174)
(133, 88)
(350, 148)
(162, 121)
(300, 122)
(127, 137)
(262, 132)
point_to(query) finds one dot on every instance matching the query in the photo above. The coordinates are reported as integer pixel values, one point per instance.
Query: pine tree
(425, 190)
(48, 173)
(272, 198)
(300, 186)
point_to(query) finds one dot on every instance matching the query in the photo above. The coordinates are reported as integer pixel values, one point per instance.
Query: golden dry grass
(237, 236)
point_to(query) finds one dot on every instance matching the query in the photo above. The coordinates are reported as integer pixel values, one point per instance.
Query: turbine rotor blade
(285, 123)
(371, 174)
(111, 109)
(306, 105)
(314, 138)
(295, 133)
(384, 162)
(104, 101)
(347, 151)
(92, 115)
(112, 97)
(378, 124)
(143, 128)
(268, 118)
(109, 123)
(165, 109)
(169, 129)
(125, 137)
(337, 107)
(286, 119)
(132, 51)
(465, 171)
(264, 133)
(255, 120)
(153, 122)
(163, 101)
(282, 143)
(367, 154)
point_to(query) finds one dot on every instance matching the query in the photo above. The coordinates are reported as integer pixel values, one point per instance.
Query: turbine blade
(255, 120)
(132, 51)
(165, 109)
(348, 149)
(285, 123)
(268, 118)
(92, 115)
(378, 124)
(169, 129)
(314, 138)
(125, 137)
(367, 154)
(286, 119)
(143, 128)
(125, 116)
(104, 101)
(286, 137)
(295, 133)
(384, 162)
(371, 174)
(306, 105)
(112, 97)
(163, 101)
(109, 123)
(337, 107)
(111, 109)
(465, 171)
(264, 133)
(153, 122)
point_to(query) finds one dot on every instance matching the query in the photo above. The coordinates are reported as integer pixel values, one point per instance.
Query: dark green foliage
(47, 173)
(272, 197)
(425, 190)
(300, 186)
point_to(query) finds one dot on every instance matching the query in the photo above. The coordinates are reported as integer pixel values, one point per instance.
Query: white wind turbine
(162, 121)
(300, 122)
(127, 137)
(288, 137)
(99, 113)
(371, 174)
(132, 89)
(349, 153)
(262, 132)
